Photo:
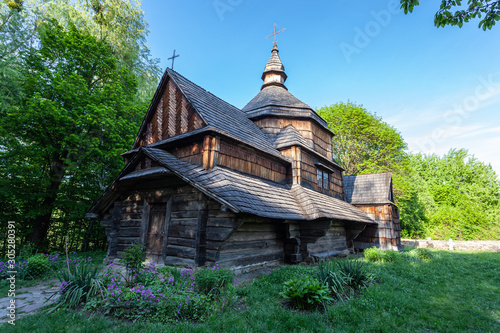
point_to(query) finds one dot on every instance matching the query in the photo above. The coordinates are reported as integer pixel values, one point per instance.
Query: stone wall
(489, 246)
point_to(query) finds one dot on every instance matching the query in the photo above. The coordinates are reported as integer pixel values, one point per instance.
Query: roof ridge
(185, 78)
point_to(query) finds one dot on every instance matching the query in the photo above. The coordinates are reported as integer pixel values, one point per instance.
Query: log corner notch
(211, 148)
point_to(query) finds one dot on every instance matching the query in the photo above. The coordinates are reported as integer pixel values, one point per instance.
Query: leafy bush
(212, 281)
(147, 275)
(37, 265)
(390, 255)
(172, 274)
(133, 257)
(306, 293)
(424, 254)
(373, 254)
(78, 284)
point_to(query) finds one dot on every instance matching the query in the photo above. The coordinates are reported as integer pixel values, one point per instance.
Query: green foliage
(306, 293)
(460, 196)
(37, 265)
(414, 297)
(423, 254)
(79, 283)
(363, 143)
(355, 273)
(169, 272)
(344, 277)
(133, 257)
(375, 254)
(212, 281)
(48, 55)
(451, 12)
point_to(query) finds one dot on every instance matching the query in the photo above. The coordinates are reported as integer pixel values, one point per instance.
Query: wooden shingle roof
(368, 189)
(289, 136)
(247, 194)
(222, 116)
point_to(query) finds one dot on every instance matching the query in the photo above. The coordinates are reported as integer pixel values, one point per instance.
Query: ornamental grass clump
(344, 277)
(79, 283)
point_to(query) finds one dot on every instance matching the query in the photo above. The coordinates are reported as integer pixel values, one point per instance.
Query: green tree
(59, 146)
(451, 12)
(461, 196)
(364, 143)
(121, 24)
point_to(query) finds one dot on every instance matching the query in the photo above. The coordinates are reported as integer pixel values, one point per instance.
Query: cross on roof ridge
(275, 33)
(173, 58)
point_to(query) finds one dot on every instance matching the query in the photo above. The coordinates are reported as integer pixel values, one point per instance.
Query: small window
(323, 179)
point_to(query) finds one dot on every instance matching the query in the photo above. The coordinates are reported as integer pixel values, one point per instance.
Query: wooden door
(156, 232)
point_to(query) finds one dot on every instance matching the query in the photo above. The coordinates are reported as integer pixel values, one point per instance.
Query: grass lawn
(454, 292)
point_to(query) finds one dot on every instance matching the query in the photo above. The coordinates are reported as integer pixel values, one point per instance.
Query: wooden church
(207, 183)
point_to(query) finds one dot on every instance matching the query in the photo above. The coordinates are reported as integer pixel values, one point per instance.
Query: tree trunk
(41, 223)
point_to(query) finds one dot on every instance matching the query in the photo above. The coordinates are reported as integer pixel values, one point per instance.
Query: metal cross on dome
(173, 58)
(275, 33)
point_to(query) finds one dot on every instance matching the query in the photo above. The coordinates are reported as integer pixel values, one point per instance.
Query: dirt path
(28, 300)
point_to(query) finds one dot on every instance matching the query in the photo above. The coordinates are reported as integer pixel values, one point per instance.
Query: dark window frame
(323, 179)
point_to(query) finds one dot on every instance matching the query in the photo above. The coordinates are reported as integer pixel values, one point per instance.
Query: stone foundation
(488, 246)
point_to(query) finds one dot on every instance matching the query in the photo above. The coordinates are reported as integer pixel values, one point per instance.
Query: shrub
(373, 254)
(211, 281)
(172, 274)
(133, 257)
(424, 254)
(78, 285)
(146, 276)
(306, 293)
(37, 265)
(390, 255)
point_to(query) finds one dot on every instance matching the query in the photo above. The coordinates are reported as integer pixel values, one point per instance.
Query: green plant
(424, 254)
(306, 293)
(172, 274)
(390, 255)
(355, 273)
(78, 284)
(212, 280)
(373, 254)
(133, 258)
(37, 265)
(27, 250)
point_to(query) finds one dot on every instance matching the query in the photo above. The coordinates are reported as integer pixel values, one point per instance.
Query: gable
(170, 114)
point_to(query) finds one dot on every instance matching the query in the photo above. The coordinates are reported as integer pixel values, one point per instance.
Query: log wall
(320, 140)
(386, 234)
(332, 244)
(198, 231)
(257, 241)
(247, 160)
(191, 153)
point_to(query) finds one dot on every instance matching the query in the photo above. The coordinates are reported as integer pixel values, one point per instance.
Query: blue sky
(439, 87)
